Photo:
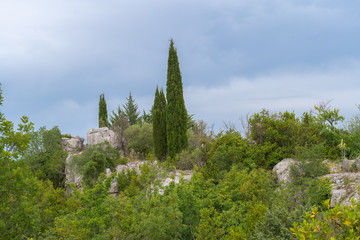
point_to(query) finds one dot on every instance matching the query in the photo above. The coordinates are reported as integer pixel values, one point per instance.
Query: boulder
(73, 144)
(99, 135)
(282, 170)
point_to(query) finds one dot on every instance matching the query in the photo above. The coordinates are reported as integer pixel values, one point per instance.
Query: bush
(140, 138)
(94, 160)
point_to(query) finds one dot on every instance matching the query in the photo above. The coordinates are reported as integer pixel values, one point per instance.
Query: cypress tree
(131, 110)
(103, 116)
(176, 123)
(159, 125)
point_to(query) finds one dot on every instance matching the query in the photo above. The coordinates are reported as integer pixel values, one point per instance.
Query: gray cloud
(57, 57)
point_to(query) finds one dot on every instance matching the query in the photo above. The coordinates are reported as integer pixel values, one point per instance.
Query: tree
(140, 138)
(328, 116)
(159, 125)
(131, 110)
(46, 156)
(176, 117)
(103, 115)
(119, 123)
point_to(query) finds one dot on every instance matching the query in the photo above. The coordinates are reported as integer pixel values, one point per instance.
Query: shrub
(94, 160)
(140, 138)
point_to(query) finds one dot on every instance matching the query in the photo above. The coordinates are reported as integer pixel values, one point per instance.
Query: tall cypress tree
(176, 123)
(103, 115)
(159, 125)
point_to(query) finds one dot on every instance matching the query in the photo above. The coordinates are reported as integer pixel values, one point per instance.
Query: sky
(236, 57)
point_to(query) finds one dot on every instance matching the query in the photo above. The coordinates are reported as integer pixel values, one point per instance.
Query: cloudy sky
(236, 57)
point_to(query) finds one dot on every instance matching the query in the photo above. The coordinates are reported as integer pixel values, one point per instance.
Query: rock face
(99, 135)
(345, 165)
(129, 166)
(176, 176)
(345, 186)
(357, 164)
(282, 170)
(71, 175)
(73, 144)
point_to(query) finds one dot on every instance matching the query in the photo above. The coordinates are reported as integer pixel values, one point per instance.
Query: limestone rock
(175, 177)
(131, 165)
(282, 170)
(344, 187)
(71, 175)
(107, 172)
(99, 135)
(357, 164)
(345, 165)
(73, 144)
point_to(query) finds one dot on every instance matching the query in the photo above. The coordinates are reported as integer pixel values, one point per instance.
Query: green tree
(46, 156)
(177, 117)
(140, 138)
(119, 123)
(93, 161)
(131, 110)
(159, 125)
(103, 115)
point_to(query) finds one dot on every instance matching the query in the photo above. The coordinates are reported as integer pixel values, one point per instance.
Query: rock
(176, 176)
(73, 144)
(131, 165)
(345, 165)
(344, 187)
(99, 135)
(357, 164)
(337, 196)
(107, 172)
(71, 175)
(282, 170)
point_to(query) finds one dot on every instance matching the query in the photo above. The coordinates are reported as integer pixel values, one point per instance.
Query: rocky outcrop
(344, 187)
(345, 165)
(71, 175)
(99, 135)
(73, 144)
(175, 177)
(282, 170)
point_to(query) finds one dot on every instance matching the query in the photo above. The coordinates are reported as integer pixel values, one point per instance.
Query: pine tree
(176, 112)
(159, 125)
(131, 110)
(103, 116)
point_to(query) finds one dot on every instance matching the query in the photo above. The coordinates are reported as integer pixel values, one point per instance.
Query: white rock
(73, 145)
(99, 135)
(282, 170)
(71, 175)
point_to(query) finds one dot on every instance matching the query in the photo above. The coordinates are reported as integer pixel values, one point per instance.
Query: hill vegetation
(232, 195)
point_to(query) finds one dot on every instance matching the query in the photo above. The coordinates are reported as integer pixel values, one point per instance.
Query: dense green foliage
(177, 118)
(159, 125)
(45, 155)
(232, 193)
(140, 138)
(94, 160)
(103, 115)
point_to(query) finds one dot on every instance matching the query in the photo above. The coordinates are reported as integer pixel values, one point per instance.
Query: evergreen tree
(159, 124)
(176, 112)
(131, 110)
(103, 115)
